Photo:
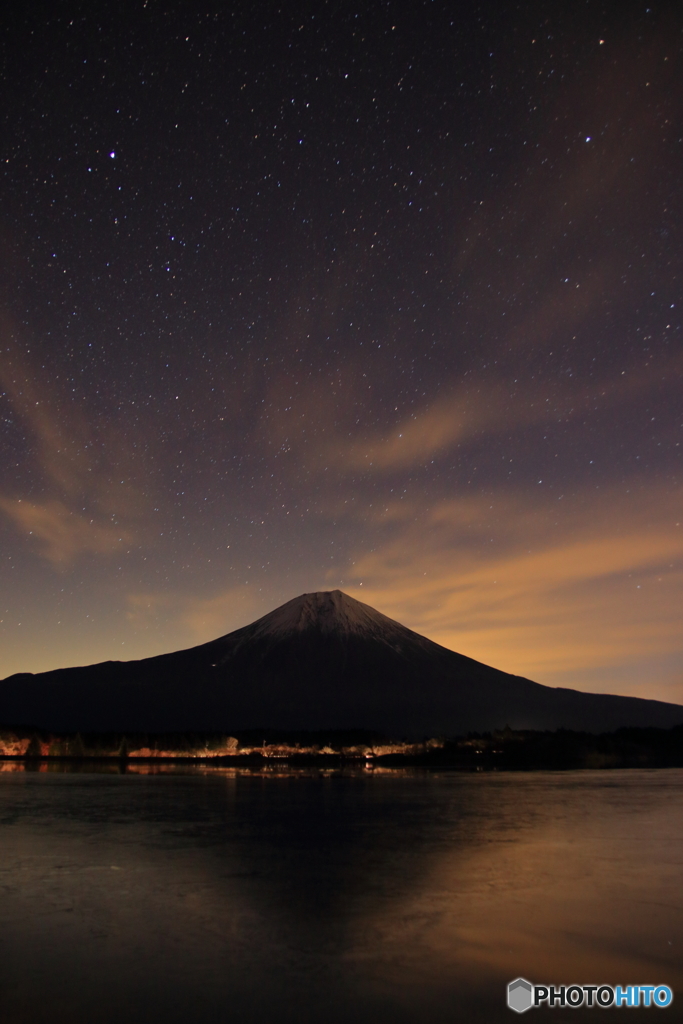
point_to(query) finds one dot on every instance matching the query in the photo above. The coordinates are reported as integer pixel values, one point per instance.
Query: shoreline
(327, 750)
(505, 749)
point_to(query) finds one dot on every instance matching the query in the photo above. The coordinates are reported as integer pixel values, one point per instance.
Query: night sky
(380, 296)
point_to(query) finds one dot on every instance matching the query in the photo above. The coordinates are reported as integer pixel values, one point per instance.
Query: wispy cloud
(91, 491)
(477, 410)
(63, 534)
(198, 619)
(417, 438)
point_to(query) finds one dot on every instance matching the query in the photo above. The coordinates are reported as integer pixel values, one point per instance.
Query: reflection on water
(203, 894)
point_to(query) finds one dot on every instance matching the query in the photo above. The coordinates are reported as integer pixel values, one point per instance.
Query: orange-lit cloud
(419, 437)
(583, 596)
(93, 488)
(470, 412)
(63, 534)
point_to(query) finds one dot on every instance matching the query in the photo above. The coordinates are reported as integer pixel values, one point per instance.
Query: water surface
(311, 896)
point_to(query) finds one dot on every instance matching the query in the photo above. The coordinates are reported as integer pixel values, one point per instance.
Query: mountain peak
(325, 611)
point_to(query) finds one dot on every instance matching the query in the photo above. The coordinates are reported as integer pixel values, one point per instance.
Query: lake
(219, 895)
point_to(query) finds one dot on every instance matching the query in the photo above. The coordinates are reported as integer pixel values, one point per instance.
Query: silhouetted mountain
(321, 661)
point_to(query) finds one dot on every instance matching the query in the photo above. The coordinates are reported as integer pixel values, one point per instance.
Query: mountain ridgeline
(322, 661)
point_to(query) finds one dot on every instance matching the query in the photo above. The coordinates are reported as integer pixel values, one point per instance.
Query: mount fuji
(322, 661)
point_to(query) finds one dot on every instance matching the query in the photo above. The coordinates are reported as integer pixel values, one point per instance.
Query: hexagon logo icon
(520, 995)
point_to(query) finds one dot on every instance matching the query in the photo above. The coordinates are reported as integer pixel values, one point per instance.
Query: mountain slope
(320, 661)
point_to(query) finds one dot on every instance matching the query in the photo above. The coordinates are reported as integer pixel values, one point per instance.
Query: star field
(383, 297)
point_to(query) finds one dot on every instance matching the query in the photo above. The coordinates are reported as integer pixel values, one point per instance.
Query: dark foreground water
(311, 896)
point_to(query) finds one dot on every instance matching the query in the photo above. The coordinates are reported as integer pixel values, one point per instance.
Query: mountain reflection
(309, 895)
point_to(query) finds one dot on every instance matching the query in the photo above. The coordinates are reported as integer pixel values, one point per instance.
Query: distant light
(588, 138)
(112, 154)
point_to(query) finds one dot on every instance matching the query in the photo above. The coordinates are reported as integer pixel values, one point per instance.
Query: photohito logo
(522, 995)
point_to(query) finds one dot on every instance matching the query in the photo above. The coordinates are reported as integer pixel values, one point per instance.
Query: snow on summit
(327, 611)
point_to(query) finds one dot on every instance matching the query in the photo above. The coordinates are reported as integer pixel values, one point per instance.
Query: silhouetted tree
(76, 748)
(34, 748)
